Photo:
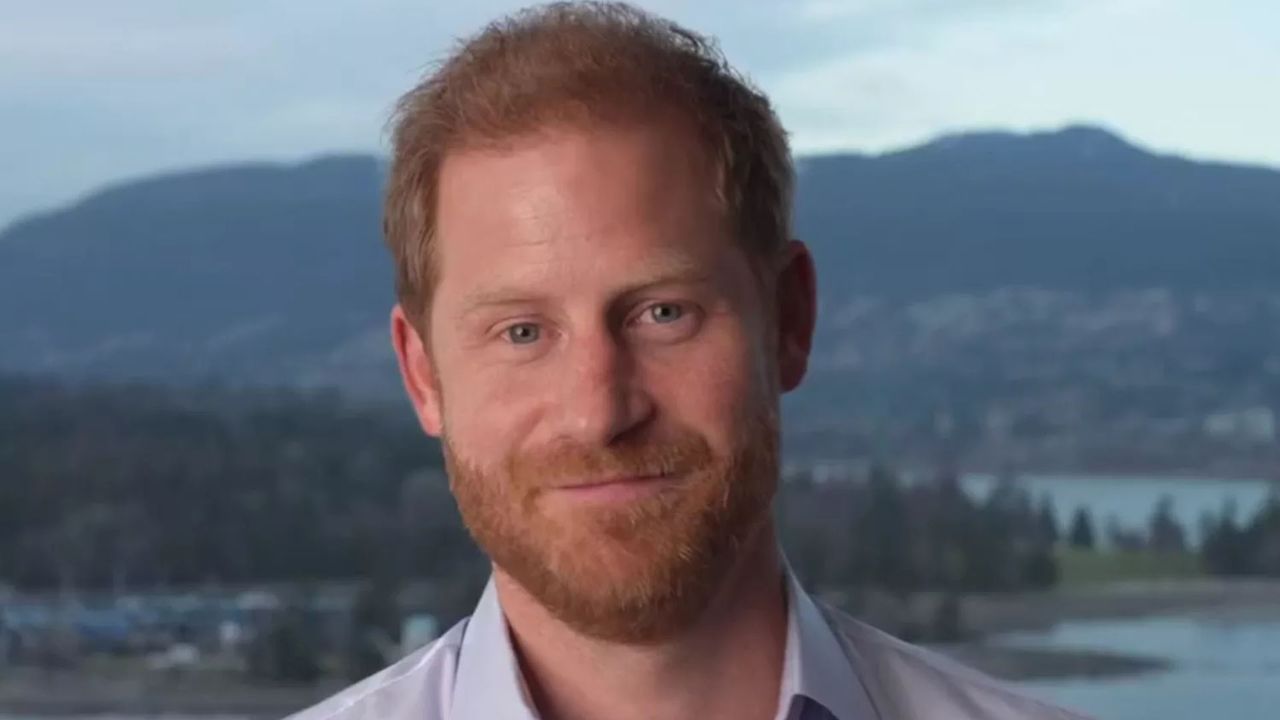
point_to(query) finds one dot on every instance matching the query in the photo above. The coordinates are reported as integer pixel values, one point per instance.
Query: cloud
(1167, 74)
(92, 92)
(74, 41)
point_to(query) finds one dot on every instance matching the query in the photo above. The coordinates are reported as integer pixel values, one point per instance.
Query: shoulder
(907, 681)
(419, 686)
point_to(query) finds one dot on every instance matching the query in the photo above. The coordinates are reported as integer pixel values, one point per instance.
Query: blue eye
(523, 333)
(665, 312)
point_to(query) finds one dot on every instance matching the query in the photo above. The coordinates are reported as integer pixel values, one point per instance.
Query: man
(599, 307)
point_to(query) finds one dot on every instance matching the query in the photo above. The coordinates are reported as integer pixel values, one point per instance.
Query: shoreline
(32, 693)
(1264, 472)
(1267, 475)
(993, 615)
(989, 617)
(1015, 664)
(1261, 474)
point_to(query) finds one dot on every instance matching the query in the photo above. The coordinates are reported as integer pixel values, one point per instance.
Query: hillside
(256, 272)
(1018, 291)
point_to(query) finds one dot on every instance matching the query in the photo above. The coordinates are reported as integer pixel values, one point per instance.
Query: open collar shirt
(834, 668)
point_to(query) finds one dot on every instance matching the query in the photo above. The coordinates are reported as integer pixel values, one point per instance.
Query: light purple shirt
(834, 668)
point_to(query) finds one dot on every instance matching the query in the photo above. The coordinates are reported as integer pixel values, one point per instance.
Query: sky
(93, 93)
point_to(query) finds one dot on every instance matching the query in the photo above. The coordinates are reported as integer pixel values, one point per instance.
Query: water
(1131, 500)
(1221, 669)
(1225, 669)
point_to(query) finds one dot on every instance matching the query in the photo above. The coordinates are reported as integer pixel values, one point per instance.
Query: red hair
(576, 64)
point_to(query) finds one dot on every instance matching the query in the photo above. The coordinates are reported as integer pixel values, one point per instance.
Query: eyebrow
(666, 273)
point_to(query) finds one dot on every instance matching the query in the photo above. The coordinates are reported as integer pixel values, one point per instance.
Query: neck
(728, 664)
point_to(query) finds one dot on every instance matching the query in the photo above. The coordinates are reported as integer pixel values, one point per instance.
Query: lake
(1131, 500)
(1229, 669)
(1222, 668)
(1225, 669)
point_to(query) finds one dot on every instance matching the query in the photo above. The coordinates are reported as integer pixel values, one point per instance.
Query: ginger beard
(636, 571)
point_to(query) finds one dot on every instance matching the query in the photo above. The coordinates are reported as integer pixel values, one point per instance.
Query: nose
(601, 396)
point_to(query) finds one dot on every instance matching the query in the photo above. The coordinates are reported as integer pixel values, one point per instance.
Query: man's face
(603, 373)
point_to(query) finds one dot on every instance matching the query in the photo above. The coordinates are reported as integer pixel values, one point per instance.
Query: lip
(614, 489)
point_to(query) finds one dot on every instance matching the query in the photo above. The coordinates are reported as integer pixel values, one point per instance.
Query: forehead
(565, 196)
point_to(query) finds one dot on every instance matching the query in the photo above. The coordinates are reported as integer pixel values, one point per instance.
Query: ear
(797, 313)
(417, 371)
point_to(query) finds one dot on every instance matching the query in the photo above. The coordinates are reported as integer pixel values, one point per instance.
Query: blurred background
(1040, 431)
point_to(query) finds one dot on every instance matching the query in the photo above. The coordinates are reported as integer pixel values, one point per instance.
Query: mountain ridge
(275, 272)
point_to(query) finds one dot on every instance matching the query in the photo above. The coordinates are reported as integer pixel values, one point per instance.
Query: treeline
(1231, 547)
(878, 531)
(131, 486)
(127, 486)
(1227, 546)
(144, 486)
(1164, 534)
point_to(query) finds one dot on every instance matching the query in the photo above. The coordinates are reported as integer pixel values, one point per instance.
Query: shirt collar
(489, 683)
(815, 666)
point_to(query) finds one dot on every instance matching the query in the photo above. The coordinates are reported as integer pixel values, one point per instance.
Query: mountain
(1075, 209)
(262, 272)
(265, 273)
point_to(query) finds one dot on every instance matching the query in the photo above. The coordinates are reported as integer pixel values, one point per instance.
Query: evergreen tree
(1165, 533)
(1225, 550)
(1047, 521)
(1082, 534)
(1265, 537)
(881, 554)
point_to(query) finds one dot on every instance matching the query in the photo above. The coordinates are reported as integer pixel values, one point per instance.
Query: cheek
(485, 410)
(713, 387)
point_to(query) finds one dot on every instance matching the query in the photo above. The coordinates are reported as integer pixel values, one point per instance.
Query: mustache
(568, 462)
